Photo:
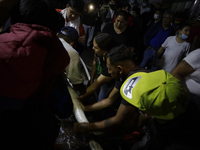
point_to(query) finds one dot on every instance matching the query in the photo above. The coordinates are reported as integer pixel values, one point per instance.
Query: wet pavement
(67, 139)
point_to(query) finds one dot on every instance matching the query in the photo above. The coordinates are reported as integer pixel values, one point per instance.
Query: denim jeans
(105, 90)
(148, 57)
(89, 31)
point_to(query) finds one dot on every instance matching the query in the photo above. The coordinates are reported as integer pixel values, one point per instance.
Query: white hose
(80, 116)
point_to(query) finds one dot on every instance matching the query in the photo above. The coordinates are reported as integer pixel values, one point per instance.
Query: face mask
(183, 36)
(155, 16)
(144, 4)
(132, 2)
(147, 9)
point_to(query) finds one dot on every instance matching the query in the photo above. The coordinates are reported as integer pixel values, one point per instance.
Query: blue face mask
(183, 36)
(132, 2)
(144, 4)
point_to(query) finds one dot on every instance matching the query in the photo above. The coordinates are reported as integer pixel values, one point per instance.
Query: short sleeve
(193, 59)
(164, 45)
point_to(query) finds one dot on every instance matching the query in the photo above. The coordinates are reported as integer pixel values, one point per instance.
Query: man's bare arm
(126, 119)
(105, 103)
(181, 70)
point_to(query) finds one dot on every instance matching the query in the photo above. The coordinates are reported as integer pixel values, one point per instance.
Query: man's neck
(130, 66)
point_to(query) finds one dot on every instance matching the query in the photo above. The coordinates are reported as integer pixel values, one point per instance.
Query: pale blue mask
(132, 2)
(144, 4)
(183, 36)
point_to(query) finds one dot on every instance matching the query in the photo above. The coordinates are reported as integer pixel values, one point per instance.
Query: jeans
(89, 32)
(105, 90)
(148, 57)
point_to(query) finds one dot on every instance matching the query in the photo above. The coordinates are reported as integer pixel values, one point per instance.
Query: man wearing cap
(72, 14)
(156, 96)
(68, 36)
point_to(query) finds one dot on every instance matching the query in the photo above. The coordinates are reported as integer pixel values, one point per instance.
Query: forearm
(104, 125)
(93, 72)
(125, 120)
(98, 106)
(91, 89)
(160, 52)
(101, 80)
(158, 55)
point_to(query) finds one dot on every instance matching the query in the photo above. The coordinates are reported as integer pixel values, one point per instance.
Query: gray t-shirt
(174, 53)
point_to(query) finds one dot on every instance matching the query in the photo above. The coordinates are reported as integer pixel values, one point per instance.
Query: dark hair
(78, 5)
(136, 10)
(126, 4)
(38, 12)
(159, 9)
(121, 53)
(169, 13)
(183, 25)
(105, 41)
(122, 13)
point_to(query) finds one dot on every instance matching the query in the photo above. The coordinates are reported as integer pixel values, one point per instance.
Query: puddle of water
(67, 139)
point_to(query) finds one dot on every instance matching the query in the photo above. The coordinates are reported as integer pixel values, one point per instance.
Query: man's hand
(81, 127)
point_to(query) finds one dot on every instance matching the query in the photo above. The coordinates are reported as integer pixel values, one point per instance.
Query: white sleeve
(187, 49)
(193, 59)
(165, 44)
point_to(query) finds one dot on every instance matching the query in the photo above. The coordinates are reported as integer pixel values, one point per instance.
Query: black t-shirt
(135, 70)
(126, 37)
(104, 70)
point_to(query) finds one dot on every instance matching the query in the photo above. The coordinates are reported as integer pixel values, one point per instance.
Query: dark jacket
(31, 58)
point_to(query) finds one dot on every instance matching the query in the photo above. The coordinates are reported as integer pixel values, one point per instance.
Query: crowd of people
(146, 57)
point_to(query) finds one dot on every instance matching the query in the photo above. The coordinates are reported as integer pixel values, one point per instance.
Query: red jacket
(31, 57)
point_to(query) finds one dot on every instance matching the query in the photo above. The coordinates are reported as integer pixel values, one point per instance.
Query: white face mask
(155, 16)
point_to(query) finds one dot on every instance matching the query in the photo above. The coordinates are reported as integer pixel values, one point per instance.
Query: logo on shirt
(129, 85)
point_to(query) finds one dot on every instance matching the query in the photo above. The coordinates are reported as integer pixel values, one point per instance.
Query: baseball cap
(71, 33)
(158, 94)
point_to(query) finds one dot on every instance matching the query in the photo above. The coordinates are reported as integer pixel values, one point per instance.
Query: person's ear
(120, 69)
